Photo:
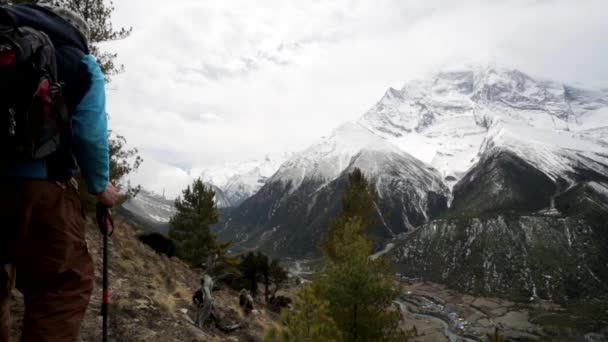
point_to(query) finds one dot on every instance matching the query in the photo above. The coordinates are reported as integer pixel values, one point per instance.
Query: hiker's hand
(109, 196)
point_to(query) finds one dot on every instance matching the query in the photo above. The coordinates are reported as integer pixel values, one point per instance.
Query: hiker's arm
(90, 132)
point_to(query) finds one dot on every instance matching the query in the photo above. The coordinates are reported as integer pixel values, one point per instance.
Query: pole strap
(104, 219)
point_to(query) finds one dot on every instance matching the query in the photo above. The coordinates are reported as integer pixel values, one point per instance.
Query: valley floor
(440, 314)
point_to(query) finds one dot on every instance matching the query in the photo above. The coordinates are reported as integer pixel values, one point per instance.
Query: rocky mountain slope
(149, 211)
(557, 253)
(151, 297)
(290, 213)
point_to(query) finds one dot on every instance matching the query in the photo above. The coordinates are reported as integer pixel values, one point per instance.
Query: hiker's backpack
(33, 114)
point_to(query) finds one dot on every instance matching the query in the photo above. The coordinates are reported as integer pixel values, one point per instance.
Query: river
(446, 327)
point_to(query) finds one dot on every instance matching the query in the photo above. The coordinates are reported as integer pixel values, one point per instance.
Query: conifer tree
(256, 267)
(353, 292)
(309, 321)
(190, 226)
(360, 291)
(250, 269)
(357, 202)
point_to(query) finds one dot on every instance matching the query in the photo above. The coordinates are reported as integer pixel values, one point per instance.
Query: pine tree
(256, 267)
(225, 267)
(360, 291)
(309, 321)
(190, 226)
(250, 269)
(357, 202)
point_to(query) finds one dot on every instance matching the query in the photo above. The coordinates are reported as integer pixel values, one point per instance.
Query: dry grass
(149, 295)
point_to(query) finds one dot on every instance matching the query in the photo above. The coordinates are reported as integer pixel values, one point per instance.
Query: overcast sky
(210, 82)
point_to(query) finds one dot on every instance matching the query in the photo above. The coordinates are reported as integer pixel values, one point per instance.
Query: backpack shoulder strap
(8, 21)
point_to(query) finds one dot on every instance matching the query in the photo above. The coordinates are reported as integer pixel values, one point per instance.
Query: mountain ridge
(449, 124)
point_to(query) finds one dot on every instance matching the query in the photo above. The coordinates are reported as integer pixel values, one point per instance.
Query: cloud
(210, 82)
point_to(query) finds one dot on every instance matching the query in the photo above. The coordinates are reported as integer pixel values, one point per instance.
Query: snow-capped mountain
(239, 181)
(290, 213)
(417, 143)
(451, 118)
(232, 183)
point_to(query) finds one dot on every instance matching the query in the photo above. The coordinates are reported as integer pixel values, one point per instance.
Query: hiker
(43, 251)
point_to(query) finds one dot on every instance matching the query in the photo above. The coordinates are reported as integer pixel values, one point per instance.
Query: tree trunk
(355, 328)
(276, 289)
(266, 290)
(206, 307)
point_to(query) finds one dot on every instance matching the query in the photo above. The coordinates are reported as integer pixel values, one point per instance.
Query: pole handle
(104, 218)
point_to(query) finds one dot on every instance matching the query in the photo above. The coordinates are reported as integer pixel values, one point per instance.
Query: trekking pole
(106, 225)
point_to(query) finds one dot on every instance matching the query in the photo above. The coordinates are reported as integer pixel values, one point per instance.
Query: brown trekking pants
(42, 241)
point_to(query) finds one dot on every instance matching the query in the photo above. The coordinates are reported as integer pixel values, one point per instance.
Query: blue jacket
(85, 99)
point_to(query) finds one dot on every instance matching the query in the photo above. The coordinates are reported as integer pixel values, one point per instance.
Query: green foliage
(257, 267)
(360, 290)
(98, 13)
(190, 226)
(123, 161)
(357, 202)
(309, 321)
(278, 276)
(224, 267)
(353, 292)
(251, 264)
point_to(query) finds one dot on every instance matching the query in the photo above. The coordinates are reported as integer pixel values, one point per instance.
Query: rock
(159, 243)
(187, 318)
(246, 301)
